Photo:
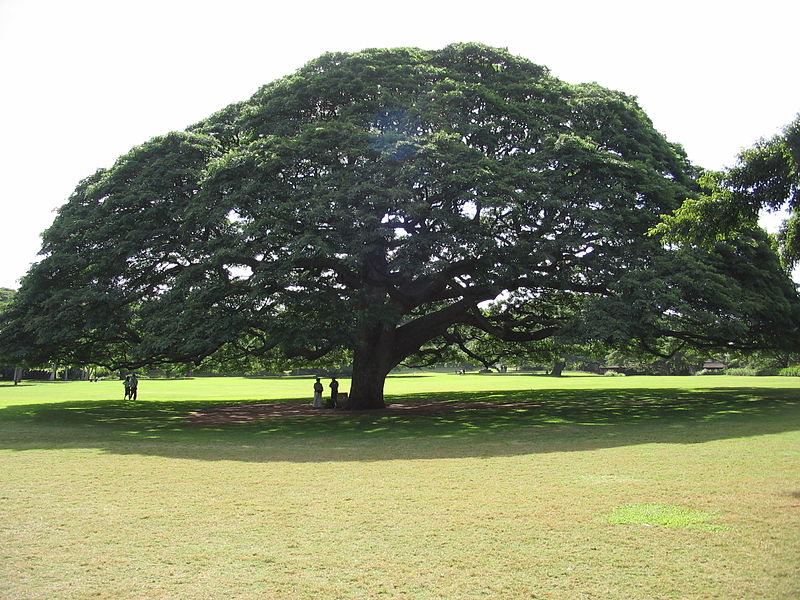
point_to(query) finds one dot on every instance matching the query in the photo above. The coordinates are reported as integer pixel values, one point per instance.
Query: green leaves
(767, 176)
(373, 203)
(734, 296)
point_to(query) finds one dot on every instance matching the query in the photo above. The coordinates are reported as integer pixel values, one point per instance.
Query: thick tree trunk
(558, 368)
(366, 388)
(372, 361)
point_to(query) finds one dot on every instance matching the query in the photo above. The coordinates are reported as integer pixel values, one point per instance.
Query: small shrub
(745, 371)
(793, 371)
(613, 374)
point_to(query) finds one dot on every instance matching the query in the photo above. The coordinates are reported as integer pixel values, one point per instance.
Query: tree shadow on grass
(508, 423)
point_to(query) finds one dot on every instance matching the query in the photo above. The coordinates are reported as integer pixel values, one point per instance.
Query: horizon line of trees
(687, 362)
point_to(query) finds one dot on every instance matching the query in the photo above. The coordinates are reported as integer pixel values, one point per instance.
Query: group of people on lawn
(131, 384)
(332, 401)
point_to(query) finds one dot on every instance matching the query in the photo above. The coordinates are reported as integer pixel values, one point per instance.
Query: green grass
(663, 515)
(613, 488)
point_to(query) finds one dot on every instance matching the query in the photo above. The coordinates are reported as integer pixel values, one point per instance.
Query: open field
(580, 487)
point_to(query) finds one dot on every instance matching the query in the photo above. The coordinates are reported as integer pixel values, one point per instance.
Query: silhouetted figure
(334, 385)
(134, 386)
(127, 384)
(317, 403)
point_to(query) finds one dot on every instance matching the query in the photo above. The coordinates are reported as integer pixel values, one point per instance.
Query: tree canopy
(766, 176)
(6, 296)
(377, 201)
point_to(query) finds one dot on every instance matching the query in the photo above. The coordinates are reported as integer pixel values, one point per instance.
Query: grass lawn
(595, 488)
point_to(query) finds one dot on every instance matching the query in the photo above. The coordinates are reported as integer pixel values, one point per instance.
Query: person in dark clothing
(134, 386)
(334, 385)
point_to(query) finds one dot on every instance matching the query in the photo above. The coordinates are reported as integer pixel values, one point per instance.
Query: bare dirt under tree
(225, 414)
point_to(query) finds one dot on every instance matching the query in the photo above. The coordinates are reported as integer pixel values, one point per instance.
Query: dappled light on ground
(413, 425)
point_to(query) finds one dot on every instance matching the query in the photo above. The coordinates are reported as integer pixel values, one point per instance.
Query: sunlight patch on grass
(664, 515)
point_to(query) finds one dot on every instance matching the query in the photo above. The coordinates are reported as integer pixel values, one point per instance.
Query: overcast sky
(83, 81)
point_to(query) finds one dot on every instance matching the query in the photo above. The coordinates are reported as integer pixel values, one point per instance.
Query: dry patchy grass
(114, 501)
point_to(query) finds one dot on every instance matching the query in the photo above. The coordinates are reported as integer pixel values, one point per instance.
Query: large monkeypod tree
(371, 202)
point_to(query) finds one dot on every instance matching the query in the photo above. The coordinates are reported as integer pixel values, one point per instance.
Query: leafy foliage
(767, 176)
(741, 371)
(376, 203)
(6, 296)
(736, 297)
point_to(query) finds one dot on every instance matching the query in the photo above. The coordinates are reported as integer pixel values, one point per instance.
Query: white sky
(82, 81)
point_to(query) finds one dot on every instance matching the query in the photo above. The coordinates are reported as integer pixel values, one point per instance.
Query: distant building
(713, 365)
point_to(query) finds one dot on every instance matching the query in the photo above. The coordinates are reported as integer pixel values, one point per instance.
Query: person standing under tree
(134, 386)
(127, 384)
(317, 403)
(334, 385)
